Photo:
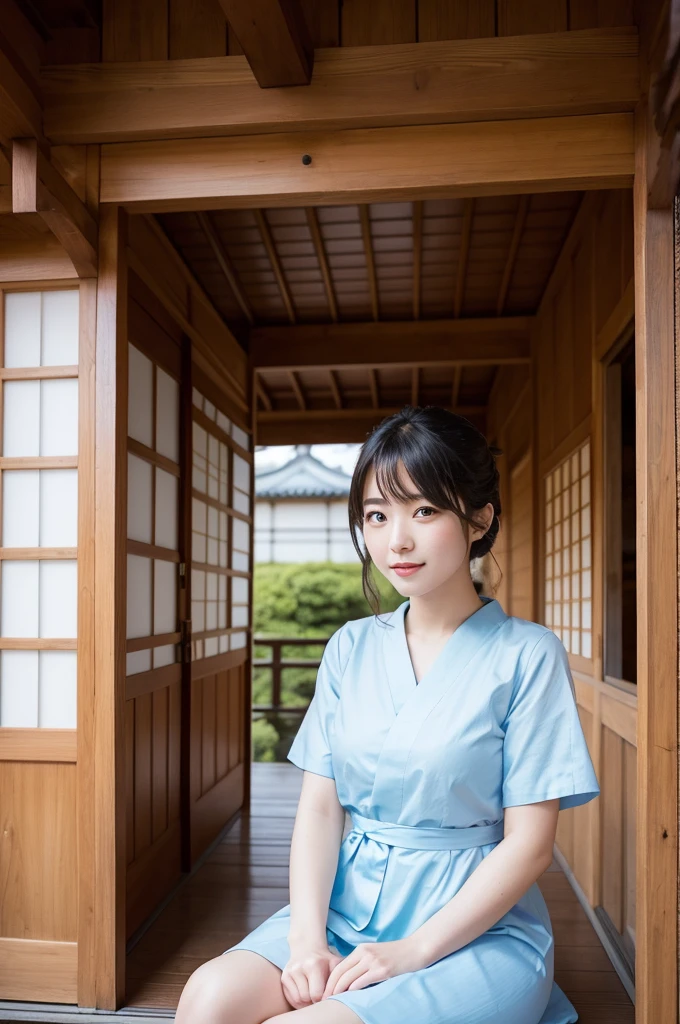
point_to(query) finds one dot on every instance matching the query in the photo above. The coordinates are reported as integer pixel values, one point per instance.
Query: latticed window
(568, 552)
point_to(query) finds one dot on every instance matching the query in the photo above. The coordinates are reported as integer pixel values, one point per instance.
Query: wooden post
(108, 960)
(657, 597)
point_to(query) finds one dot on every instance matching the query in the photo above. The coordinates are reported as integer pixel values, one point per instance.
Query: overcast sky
(342, 455)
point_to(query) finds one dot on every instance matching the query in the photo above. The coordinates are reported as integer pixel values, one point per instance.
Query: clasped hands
(314, 972)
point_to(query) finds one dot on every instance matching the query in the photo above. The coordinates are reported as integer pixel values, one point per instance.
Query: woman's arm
(496, 884)
(317, 834)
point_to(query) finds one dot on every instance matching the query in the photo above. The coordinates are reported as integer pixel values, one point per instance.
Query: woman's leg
(239, 987)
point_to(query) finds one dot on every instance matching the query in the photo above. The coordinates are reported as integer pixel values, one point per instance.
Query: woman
(449, 732)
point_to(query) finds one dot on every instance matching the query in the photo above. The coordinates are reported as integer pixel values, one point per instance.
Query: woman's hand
(371, 962)
(305, 975)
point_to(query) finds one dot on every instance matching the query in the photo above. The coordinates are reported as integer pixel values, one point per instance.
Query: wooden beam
(274, 37)
(548, 75)
(21, 113)
(491, 158)
(226, 266)
(329, 426)
(297, 390)
(367, 239)
(520, 221)
(373, 384)
(466, 233)
(417, 255)
(263, 393)
(273, 255)
(38, 187)
(317, 238)
(335, 389)
(415, 384)
(482, 342)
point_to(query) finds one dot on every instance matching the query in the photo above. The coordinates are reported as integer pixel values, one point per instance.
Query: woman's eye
(369, 514)
(427, 509)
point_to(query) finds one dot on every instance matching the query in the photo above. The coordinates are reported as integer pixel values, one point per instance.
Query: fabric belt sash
(412, 837)
(362, 865)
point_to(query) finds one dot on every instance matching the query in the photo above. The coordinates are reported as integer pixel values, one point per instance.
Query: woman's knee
(237, 988)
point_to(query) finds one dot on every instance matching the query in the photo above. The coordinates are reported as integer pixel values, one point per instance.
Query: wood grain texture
(501, 157)
(134, 31)
(54, 745)
(275, 39)
(380, 22)
(196, 28)
(558, 74)
(37, 970)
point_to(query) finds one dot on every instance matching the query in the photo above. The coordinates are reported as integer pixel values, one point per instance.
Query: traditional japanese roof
(303, 476)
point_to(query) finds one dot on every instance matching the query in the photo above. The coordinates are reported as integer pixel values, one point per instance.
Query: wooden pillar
(657, 599)
(108, 956)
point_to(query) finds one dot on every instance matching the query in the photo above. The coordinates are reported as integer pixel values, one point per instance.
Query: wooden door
(43, 671)
(155, 573)
(221, 578)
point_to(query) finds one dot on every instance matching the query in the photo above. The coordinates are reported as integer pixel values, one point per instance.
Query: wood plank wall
(586, 308)
(162, 29)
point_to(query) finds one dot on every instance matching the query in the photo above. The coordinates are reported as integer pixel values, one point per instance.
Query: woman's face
(415, 545)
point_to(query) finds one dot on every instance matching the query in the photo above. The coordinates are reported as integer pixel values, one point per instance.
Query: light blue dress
(425, 770)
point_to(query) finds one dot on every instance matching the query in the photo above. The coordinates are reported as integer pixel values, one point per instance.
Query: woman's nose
(400, 539)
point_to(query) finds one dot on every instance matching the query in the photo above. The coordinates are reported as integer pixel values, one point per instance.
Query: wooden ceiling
(436, 260)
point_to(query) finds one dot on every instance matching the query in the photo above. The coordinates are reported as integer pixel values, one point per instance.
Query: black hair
(448, 459)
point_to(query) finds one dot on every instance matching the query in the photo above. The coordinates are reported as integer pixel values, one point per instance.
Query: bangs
(426, 464)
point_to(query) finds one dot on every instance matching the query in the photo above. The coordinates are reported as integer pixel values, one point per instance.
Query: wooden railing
(277, 664)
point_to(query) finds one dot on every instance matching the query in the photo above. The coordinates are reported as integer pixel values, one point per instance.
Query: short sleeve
(545, 754)
(311, 747)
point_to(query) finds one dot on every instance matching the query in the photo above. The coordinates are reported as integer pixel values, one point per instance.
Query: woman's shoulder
(526, 635)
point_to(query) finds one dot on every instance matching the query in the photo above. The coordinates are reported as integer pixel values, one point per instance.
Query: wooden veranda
(232, 222)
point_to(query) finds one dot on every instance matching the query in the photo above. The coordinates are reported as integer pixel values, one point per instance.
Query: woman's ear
(484, 517)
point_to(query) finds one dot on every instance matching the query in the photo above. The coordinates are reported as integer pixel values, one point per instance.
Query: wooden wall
(197, 28)
(587, 307)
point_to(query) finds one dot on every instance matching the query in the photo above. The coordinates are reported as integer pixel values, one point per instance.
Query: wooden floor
(245, 879)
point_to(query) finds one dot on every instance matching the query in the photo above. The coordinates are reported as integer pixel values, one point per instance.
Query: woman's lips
(407, 570)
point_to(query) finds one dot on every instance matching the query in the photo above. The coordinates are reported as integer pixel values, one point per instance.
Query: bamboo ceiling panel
(389, 261)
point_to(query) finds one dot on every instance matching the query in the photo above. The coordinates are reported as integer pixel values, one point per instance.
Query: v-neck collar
(479, 617)
(413, 701)
(456, 652)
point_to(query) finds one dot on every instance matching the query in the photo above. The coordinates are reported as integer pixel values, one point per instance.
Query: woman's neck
(440, 613)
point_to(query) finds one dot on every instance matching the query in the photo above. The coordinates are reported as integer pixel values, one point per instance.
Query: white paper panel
(241, 437)
(21, 419)
(211, 647)
(240, 535)
(223, 422)
(59, 598)
(20, 588)
(166, 509)
(165, 597)
(60, 328)
(164, 655)
(138, 596)
(209, 409)
(221, 614)
(19, 689)
(57, 706)
(224, 643)
(213, 530)
(59, 417)
(137, 661)
(197, 398)
(167, 415)
(239, 561)
(239, 590)
(140, 397)
(239, 615)
(20, 508)
(241, 471)
(58, 508)
(139, 500)
(241, 502)
(198, 615)
(238, 640)
(22, 329)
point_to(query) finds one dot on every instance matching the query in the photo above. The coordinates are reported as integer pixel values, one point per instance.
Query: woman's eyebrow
(383, 501)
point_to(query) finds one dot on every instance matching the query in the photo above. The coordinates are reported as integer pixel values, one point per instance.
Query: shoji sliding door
(155, 567)
(221, 576)
(39, 360)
